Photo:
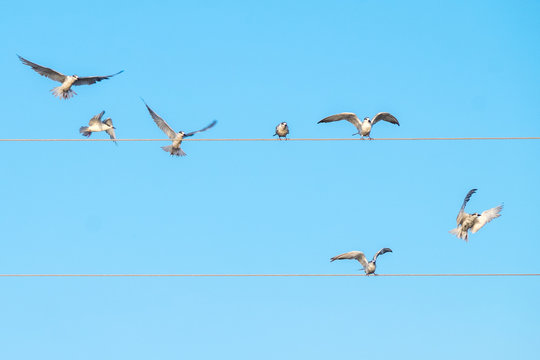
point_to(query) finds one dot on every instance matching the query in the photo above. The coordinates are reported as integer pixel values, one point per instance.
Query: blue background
(444, 69)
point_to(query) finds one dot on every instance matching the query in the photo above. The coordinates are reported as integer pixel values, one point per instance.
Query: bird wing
(161, 123)
(385, 117)
(110, 131)
(45, 71)
(89, 80)
(380, 252)
(96, 119)
(350, 117)
(486, 217)
(358, 255)
(111, 134)
(203, 129)
(465, 201)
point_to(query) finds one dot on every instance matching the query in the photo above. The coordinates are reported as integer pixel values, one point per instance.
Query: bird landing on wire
(363, 127)
(368, 267)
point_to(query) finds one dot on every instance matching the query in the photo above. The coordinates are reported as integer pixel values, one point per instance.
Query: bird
(96, 125)
(282, 130)
(176, 137)
(473, 222)
(369, 267)
(64, 91)
(364, 127)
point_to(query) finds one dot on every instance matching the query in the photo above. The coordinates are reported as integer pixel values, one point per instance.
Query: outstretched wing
(350, 117)
(203, 129)
(96, 119)
(89, 80)
(385, 117)
(486, 217)
(45, 71)
(358, 255)
(465, 201)
(380, 252)
(161, 123)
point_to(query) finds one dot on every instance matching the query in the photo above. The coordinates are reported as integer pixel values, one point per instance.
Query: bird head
(181, 133)
(476, 214)
(284, 123)
(367, 119)
(75, 77)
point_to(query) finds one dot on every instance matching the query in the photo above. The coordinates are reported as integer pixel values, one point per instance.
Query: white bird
(363, 127)
(64, 91)
(473, 222)
(96, 125)
(176, 137)
(282, 130)
(369, 267)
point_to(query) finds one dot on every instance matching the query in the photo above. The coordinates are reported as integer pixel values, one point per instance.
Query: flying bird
(473, 222)
(369, 267)
(64, 91)
(282, 130)
(176, 137)
(96, 125)
(363, 127)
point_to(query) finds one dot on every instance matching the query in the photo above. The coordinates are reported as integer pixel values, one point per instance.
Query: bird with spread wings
(369, 267)
(363, 127)
(64, 91)
(176, 137)
(473, 222)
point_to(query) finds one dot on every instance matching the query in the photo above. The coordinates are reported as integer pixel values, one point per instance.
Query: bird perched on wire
(473, 222)
(96, 125)
(369, 267)
(363, 127)
(64, 91)
(282, 130)
(176, 137)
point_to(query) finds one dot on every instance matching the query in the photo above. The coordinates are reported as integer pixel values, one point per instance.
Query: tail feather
(460, 233)
(172, 151)
(59, 92)
(84, 130)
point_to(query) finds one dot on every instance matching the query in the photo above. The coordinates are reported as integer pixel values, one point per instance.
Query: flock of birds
(465, 221)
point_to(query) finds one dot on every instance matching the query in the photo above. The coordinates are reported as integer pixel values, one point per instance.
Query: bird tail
(172, 151)
(59, 92)
(460, 233)
(84, 130)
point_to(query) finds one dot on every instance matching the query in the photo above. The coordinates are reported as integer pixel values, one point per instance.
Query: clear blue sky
(455, 68)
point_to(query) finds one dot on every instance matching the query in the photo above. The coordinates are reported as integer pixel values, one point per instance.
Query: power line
(262, 275)
(294, 139)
